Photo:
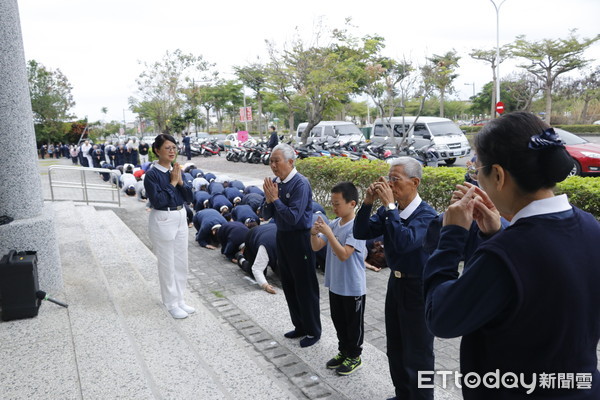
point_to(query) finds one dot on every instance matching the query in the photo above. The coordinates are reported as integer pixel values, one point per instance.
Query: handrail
(84, 185)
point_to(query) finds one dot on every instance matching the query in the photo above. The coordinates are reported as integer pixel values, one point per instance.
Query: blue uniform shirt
(161, 193)
(293, 209)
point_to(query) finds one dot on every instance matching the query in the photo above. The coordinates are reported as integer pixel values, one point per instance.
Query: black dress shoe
(294, 334)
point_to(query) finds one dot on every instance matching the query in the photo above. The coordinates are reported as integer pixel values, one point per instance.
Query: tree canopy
(550, 58)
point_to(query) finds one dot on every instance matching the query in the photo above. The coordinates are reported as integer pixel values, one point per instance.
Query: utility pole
(497, 7)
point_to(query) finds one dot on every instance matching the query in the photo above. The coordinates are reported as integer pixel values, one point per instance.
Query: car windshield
(445, 128)
(347, 130)
(569, 138)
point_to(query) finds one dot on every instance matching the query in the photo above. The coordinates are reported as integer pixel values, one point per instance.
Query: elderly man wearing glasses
(403, 220)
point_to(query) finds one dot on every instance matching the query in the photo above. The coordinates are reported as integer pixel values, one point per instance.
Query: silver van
(449, 141)
(331, 130)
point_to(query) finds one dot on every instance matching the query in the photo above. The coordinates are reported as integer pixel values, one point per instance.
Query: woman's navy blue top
(161, 193)
(526, 302)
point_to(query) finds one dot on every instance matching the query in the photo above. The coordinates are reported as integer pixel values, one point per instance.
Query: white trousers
(169, 235)
(143, 159)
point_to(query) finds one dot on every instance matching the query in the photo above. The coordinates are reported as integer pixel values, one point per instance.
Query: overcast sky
(97, 44)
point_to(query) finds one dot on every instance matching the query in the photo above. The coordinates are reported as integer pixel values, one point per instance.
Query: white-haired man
(288, 199)
(402, 220)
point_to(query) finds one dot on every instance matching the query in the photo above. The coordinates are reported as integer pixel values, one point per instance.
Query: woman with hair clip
(167, 224)
(527, 301)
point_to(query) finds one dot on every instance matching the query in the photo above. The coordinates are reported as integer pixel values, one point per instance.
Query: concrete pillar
(21, 195)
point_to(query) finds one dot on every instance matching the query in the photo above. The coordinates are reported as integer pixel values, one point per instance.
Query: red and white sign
(245, 114)
(499, 107)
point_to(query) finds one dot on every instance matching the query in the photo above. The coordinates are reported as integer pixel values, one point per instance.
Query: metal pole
(245, 114)
(497, 7)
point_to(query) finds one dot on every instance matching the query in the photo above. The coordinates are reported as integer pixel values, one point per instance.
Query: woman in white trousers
(167, 224)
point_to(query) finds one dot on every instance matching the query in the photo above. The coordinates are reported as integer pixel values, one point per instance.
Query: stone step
(180, 357)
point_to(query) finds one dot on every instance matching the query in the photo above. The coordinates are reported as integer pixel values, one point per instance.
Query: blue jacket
(218, 200)
(203, 221)
(199, 197)
(402, 240)
(231, 235)
(161, 193)
(254, 200)
(542, 314)
(293, 209)
(237, 184)
(231, 193)
(216, 188)
(253, 189)
(262, 235)
(242, 212)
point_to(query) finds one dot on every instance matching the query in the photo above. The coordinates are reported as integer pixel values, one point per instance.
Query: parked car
(448, 140)
(586, 155)
(341, 131)
(232, 140)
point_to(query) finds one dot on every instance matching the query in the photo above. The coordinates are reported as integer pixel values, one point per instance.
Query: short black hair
(348, 191)
(130, 191)
(161, 139)
(505, 141)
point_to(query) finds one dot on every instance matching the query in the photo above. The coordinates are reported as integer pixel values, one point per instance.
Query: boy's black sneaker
(349, 365)
(336, 361)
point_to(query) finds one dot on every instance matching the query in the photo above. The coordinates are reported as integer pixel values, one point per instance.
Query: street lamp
(497, 7)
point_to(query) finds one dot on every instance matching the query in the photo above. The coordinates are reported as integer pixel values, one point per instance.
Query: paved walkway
(117, 341)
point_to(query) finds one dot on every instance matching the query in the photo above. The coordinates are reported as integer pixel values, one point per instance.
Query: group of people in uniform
(525, 302)
(88, 154)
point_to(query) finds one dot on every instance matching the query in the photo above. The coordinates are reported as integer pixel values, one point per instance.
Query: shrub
(436, 186)
(583, 192)
(325, 172)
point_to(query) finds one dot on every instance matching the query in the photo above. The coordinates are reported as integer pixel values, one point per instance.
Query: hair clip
(545, 140)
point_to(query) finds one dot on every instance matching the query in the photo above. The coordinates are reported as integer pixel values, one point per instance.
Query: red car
(586, 155)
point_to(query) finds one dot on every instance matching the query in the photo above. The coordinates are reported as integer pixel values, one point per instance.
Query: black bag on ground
(18, 285)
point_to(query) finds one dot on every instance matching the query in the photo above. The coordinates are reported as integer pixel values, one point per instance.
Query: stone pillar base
(36, 234)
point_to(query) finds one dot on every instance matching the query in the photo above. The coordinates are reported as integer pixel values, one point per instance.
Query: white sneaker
(187, 309)
(178, 313)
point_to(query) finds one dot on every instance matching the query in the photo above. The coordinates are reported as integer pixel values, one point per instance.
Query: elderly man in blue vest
(403, 220)
(288, 199)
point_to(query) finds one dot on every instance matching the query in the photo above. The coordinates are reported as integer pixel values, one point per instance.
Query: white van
(449, 141)
(332, 130)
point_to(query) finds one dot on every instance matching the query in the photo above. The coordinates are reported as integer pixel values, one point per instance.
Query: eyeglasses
(473, 170)
(393, 179)
(170, 148)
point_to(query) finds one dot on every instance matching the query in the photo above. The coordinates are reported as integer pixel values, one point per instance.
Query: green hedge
(436, 186)
(583, 192)
(580, 129)
(324, 173)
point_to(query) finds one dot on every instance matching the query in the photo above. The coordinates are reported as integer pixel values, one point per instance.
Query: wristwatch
(391, 206)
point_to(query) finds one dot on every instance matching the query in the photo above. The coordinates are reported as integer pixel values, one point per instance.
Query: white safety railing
(84, 183)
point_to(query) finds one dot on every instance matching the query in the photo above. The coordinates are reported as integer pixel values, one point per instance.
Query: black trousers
(348, 316)
(298, 274)
(409, 342)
